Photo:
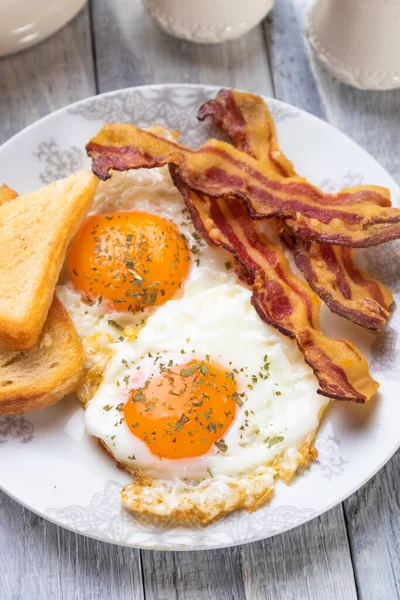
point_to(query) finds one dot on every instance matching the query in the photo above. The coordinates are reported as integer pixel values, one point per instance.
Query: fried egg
(137, 249)
(185, 387)
(208, 399)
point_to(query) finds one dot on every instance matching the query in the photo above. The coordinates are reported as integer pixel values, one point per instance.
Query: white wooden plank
(39, 560)
(210, 575)
(132, 50)
(308, 562)
(46, 77)
(292, 77)
(373, 521)
(371, 119)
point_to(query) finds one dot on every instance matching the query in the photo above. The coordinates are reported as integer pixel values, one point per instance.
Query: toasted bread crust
(35, 231)
(36, 378)
(6, 194)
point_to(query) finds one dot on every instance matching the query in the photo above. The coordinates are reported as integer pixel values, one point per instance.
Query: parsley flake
(115, 324)
(221, 445)
(271, 441)
(182, 421)
(191, 370)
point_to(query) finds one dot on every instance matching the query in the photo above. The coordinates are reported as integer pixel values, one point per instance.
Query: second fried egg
(206, 393)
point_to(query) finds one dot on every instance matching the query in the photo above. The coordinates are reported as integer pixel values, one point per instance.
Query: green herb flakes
(221, 446)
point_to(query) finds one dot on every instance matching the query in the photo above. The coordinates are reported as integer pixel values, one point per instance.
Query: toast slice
(35, 230)
(36, 378)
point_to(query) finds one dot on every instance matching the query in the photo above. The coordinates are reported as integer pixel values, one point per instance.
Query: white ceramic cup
(208, 21)
(358, 41)
(26, 22)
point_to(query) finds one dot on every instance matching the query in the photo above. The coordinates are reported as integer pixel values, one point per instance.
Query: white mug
(208, 21)
(358, 41)
(26, 22)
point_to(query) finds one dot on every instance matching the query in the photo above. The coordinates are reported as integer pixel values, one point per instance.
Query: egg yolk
(184, 410)
(133, 260)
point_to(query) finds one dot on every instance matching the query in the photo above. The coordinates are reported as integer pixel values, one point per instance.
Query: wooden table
(353, 551)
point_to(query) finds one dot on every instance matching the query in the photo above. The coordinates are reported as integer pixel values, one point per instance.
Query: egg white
(278, 413)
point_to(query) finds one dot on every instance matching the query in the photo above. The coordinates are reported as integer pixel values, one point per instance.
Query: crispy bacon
(331, 271)
(356, 217)
(280, 297)
(248, 123)
(347, 290)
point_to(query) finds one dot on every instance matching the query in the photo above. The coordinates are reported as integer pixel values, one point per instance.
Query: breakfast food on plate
(34, 378)
(202, 409)
(331, 271)
(280, 297)
(188, 390)
(346, 289)
(356, 217)
(172, 283)
(218, 396)
(341, 369)
(38, 377)
(35, 230)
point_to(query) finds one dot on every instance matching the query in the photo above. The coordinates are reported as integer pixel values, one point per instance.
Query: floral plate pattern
(48, 462)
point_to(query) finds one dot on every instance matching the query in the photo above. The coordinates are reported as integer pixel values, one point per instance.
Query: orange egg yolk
(133, 260)
(184, 410)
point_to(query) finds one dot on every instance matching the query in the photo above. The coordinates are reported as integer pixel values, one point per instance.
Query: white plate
(51, 466)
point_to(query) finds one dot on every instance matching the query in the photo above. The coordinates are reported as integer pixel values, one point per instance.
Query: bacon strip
(248, 123)
(347, 290)
(331, 271)
(356, 217)
(280, 297)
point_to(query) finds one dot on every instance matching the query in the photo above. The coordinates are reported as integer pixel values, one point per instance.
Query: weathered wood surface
(332, 557)
(40, 561)
(311, 561)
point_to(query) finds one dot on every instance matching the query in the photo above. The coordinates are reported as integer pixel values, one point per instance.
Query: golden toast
(35, 230)
(38, 377)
